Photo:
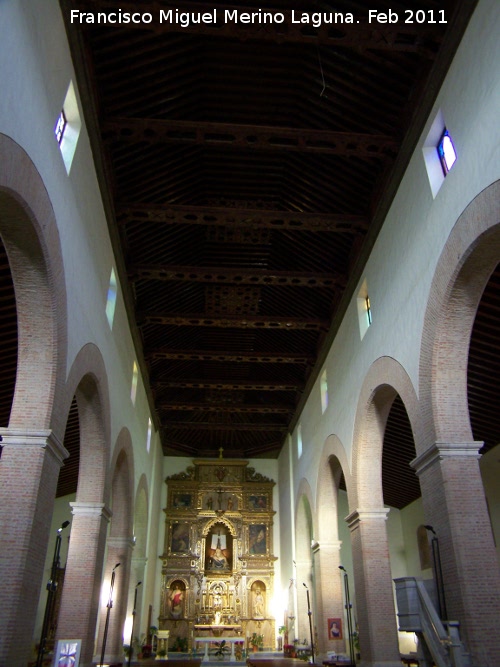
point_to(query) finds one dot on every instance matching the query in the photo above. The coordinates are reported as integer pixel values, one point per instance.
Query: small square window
(446, 151)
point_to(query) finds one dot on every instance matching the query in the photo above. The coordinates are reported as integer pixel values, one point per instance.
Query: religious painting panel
(225, 501)
(258, 502)
(334, 628)
(257, 539)
(181, 500)
(179, 538)
(176, 599)
(219, 549)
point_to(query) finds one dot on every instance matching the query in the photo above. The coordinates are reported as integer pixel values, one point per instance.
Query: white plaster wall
(35, 72)
(402, 264)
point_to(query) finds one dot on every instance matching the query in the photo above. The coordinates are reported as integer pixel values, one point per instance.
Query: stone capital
(364, 516)
(44, 438)
(441, 450)
(91, 509)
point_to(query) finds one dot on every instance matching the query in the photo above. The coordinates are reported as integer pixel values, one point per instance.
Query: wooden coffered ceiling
(246, 171)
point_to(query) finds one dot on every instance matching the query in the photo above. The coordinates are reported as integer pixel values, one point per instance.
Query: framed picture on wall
(257, 539)
(181, 500)
(258, 502)
(68, 653)
(179, 538)
(334, 628)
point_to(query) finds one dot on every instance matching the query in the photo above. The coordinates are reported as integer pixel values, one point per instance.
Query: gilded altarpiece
(218, 562)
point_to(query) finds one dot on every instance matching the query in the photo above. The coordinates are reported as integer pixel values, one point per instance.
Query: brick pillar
(374, 588)
(455, 506)
(29, 469)
(119, 550)
(82, 581)
(328, 596)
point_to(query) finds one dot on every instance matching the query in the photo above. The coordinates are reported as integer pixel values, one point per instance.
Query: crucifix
(221, 449)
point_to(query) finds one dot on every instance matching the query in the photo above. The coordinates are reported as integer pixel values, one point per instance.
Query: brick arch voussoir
(31, 238)
(333, 463)
(88, 382)
(122, 467)
(141, 512)
(305, 517)
(470, 255)
(385, 380)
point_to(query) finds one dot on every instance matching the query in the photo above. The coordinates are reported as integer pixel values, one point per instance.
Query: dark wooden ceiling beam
(235, 321)
(241, 217)
(214, 426)
(201, 355)
(251, 137)
(242, 386)
(359, 35)
(225, 407)
(228, 276)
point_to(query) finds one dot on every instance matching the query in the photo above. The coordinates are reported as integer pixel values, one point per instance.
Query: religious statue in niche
(257, 539)
(258, 600)
(218, 549)
(176, 599)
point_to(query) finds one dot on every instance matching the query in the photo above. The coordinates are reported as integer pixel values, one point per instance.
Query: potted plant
(222, 649)
(180, 645)
(281, 632)
(257, 641)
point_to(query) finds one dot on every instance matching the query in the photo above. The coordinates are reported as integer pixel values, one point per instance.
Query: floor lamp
(109, 605)
(309, 613)
(51, 592)
(348, 607)
(131, 649)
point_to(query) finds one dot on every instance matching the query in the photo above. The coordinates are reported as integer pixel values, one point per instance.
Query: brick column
(82, 581)
(328, 596)
(374, 588)
(455, 506)
(29, 469)
(119, 551)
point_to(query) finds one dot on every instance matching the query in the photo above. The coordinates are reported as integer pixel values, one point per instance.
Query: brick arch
(31, 238)
(385, 379)
(333, 463)
(469, 257)
(304, 533)
(119, 542)
(329, 595)
(87, 381)
(32, 442)
(141, 513)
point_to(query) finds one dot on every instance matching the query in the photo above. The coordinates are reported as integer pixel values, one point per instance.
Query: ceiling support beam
(226, 407)
(251, 137)
(241, 217)
(214, 426)
(228, 276)
(243, 386)
(257, 357)
(356, 34)
(236, 322)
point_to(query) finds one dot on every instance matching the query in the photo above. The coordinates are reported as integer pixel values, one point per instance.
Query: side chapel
(218, 562)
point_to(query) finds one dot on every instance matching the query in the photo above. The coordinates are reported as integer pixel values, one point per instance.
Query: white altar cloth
(229, 640)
